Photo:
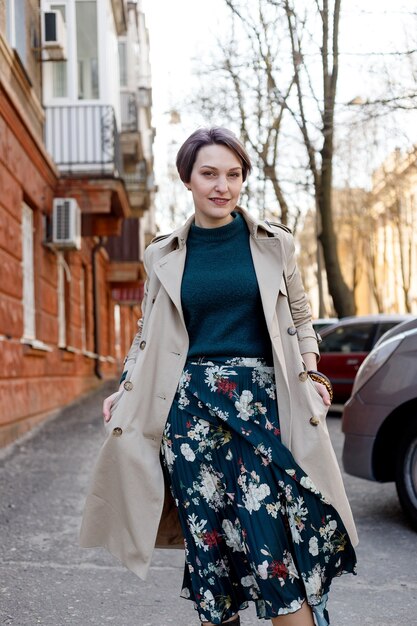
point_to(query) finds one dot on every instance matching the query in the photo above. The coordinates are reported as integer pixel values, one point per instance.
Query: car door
(342, 351)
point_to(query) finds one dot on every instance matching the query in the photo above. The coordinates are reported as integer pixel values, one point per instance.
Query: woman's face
(216, 181)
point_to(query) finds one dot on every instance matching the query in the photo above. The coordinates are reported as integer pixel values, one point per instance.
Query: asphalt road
(45, 578)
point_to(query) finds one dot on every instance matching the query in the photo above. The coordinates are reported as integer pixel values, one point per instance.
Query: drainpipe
(96, 305)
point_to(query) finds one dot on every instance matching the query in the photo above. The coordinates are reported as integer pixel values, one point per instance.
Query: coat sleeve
(300, 308)
(130, 359)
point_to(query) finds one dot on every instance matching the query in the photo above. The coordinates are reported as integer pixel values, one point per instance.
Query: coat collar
(177, 239)
(266, 252)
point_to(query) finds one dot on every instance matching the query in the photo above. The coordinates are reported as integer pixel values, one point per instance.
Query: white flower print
(297, 515)
(332, 542)
(254, 496)
(249, 581)
(313, 546)
(233, 535)
(184, 381)
(213, 373)
(265, 453)
(290, 565)
(166, 449)
(196, 528)
(294, 606)
(187, 452)
(216, 412)
(168, 455)
(272, 509)
(210, 487)
(263, 570)
(208, 602)
(307, 483)
(185, 593)
(243, 405)
(183, 401)
(202, 428)
(314, 583)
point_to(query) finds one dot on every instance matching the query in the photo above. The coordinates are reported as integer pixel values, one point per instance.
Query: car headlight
(375, 359)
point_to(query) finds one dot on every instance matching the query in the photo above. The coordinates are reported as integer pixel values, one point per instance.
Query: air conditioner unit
(54, 36)
(66, 224)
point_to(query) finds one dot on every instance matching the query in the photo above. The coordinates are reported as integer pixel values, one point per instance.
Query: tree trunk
(343, 299)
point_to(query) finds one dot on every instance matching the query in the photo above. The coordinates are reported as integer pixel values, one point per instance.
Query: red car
(345, 345)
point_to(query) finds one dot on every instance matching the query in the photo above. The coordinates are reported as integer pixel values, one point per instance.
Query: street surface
(45, 578)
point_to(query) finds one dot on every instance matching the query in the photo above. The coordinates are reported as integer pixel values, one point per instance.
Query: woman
(218, 405)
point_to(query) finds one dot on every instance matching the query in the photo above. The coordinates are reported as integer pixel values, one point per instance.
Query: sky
(186, 31)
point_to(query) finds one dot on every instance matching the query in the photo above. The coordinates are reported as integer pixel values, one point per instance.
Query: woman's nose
(221, 185)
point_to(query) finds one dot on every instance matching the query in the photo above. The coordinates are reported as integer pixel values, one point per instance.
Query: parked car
(345, 345)
(324, 322)
(380, 418)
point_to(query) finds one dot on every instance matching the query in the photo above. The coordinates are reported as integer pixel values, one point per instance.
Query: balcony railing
(129, 111)
(83, 139)
(138, 177)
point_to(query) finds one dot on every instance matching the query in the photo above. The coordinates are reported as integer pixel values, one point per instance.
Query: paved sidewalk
(45, 578)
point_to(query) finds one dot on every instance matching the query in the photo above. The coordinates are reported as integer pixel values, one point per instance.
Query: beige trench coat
(128, 504)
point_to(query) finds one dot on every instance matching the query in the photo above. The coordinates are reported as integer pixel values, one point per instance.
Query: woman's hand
(323, 393)
(107, 404)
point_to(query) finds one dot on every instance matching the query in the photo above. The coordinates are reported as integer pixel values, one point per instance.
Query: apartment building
(76, 198)
(377, 240)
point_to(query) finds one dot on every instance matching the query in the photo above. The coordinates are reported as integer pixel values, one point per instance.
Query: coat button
(117, 431)
(292, 330)
(142, 344)
(314, 421)
(128, 385)
(302, 376)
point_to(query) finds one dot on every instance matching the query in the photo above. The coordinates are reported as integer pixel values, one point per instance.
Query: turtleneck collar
(221, 233)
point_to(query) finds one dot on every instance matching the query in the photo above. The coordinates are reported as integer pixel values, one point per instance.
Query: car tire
(406, 475)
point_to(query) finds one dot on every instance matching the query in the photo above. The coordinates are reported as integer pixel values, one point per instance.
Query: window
(16, 26)
(28, 274)
(60, 68)
(384, 327)
(352, 338)
(123, 63)
(62, 334)
(87, 49)
(83, 306)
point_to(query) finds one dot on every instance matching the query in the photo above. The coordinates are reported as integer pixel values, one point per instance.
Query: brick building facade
(65, 319)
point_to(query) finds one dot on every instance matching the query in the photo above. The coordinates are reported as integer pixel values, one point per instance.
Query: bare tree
(284, 105)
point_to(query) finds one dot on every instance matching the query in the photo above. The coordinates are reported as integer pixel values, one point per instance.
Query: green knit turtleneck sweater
(220, 294)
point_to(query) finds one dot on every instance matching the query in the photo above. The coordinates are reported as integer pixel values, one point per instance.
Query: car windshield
(351, 338)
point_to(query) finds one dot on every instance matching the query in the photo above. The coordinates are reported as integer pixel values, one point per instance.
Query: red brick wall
(33, 382)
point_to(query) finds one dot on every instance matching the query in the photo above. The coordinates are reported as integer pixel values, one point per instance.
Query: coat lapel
(169, 270)
(267, 259)
(267, 255)
(170, 266)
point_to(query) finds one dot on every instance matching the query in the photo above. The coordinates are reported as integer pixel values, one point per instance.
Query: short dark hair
(187, 154)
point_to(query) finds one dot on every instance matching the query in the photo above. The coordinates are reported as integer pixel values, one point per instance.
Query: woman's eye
(234, 175)
(207, 173)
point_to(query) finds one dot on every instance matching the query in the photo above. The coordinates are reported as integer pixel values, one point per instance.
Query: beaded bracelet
(318, 377)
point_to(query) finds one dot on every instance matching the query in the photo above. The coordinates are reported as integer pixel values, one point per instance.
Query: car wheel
(406, 476)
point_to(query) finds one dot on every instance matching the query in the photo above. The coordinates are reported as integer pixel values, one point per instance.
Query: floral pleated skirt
(255, 526)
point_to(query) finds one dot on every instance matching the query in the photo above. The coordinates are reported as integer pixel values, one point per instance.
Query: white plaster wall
(109, 57)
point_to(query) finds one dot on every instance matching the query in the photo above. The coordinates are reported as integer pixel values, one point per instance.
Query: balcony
(129, 111)
(83, 139)
(138, 189)
(126, 273)
(130, 139)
